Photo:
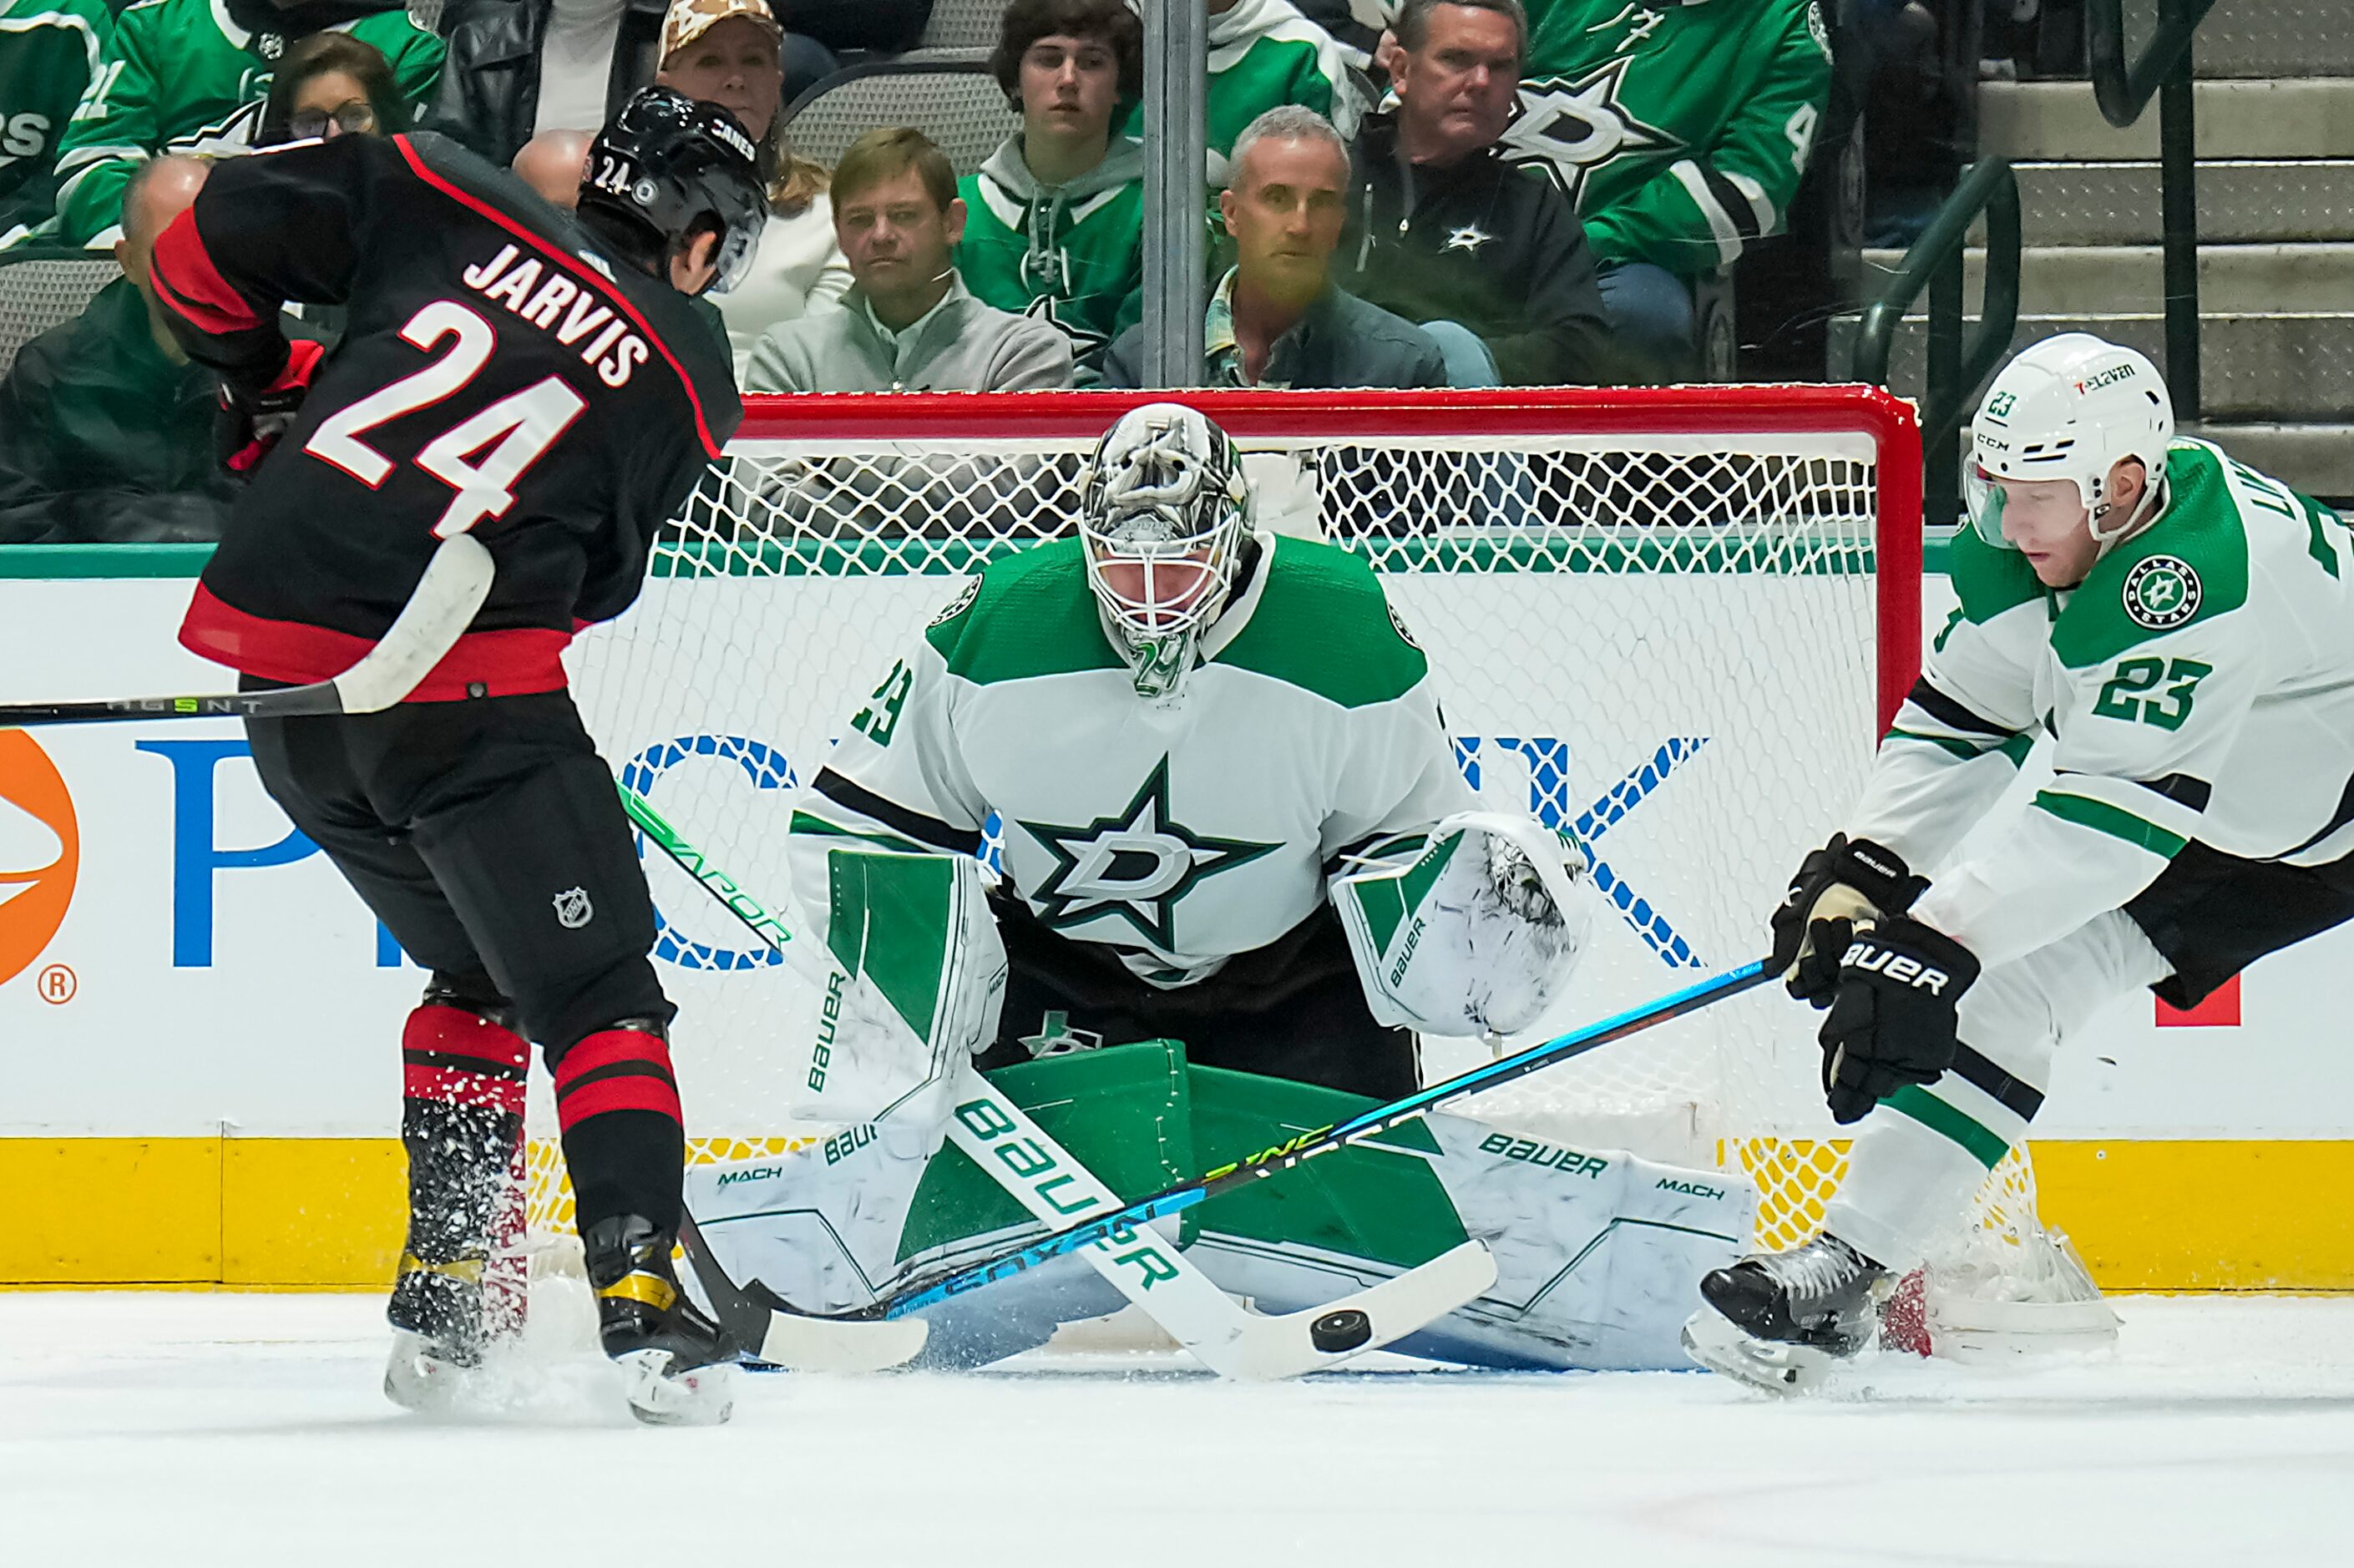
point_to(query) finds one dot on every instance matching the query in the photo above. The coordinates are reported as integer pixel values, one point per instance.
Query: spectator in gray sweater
(1277, 318)
(908, 323)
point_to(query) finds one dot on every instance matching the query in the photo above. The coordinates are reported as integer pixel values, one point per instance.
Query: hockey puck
(1334, 1332)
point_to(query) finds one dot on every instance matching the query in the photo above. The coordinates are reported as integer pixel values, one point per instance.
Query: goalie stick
(1001, 1139)
(456, 581)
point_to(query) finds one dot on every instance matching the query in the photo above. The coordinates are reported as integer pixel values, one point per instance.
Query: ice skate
(437, 1330)
(1781, 1320)
(677, 1359)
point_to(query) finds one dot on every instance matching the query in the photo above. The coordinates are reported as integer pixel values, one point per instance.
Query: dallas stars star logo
(1138, 865)
(1567, 128)
(1049, 309)
(1470, 237)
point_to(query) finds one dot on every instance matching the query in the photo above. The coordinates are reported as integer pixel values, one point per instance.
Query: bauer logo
(40, 852)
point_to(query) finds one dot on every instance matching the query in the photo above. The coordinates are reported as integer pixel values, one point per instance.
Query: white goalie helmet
(2070, 408)
(1163, 513)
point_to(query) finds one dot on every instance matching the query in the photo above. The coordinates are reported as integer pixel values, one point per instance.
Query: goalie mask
(1163, 512)
(2069, 408)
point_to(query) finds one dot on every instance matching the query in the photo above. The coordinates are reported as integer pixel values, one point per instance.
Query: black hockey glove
(253, 415)
(1892, 1019)
(1838, 884)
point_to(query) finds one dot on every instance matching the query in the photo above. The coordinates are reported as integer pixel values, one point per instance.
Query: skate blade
(701, 1396)
(416, 1380)
(1712, 1340)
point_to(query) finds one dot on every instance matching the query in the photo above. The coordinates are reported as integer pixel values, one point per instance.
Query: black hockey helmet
(667, 165)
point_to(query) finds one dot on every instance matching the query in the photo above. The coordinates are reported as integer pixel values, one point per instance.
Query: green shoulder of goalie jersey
(1182, 832)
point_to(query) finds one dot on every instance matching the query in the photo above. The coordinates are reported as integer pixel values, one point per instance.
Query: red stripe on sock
(183, 269)
(607, 1047)
(454, 1031)
(455, 1087)
(629, 1092)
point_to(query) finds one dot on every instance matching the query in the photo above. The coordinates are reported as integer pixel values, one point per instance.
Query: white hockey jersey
(2198, 685)
(1181, 832)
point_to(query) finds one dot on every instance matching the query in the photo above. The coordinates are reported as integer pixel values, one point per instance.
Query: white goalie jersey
(1180, 832)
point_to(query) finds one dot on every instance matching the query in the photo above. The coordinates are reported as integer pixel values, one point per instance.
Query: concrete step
(2316, 459)
(2261, 38)
(2059, 121)
(2241, 200)
(2091, 280)
(2286, 369)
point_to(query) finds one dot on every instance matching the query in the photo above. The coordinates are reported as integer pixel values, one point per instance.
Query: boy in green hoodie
(1056, 227)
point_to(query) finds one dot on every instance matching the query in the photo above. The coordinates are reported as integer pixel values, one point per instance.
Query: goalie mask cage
(1673, 620)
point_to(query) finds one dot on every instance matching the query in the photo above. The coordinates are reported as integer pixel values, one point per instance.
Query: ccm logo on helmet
(1904, 970)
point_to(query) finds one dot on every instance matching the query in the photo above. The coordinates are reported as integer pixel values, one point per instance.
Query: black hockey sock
(624, 1142)
(461, 1125)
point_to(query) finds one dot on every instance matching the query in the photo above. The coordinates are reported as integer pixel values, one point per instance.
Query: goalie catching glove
(1473, 928)
(1839, 886)
(1893, 1017)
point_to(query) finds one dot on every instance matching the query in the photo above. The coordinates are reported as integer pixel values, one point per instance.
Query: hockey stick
(456, 581)
(1308, 1145)
(795, 1336)
(1045, 1178)
(1224, 1336)
(822, 1330)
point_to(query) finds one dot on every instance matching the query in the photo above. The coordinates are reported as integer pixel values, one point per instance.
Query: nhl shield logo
(573, 909)
(2161, 592)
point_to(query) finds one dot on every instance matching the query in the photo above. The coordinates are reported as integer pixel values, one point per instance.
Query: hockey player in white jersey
(1231, 816)
(2181, 628)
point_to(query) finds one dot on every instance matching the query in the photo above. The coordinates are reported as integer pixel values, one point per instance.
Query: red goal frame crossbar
(1731, 411)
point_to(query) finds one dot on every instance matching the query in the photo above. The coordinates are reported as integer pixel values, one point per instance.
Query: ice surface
(179, 1428)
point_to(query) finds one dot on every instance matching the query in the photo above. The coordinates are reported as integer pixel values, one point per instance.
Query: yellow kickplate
(651, 1290)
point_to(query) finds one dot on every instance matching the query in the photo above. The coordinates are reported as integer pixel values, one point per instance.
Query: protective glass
(1982, 499)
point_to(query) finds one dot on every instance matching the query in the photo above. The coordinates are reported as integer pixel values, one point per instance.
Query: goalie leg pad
(906, 982)
(1474, 929)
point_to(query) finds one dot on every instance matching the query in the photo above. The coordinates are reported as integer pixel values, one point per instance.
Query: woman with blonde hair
(728, 52)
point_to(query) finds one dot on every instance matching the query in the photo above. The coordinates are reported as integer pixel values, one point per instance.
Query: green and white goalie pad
(1597, 1252)
(1472, 929)
(907, 976)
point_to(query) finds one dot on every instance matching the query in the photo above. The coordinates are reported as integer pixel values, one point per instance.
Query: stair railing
(2123, 92)
(1933, 264)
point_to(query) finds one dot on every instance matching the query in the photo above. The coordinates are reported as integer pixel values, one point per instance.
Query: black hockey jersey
(497, 373)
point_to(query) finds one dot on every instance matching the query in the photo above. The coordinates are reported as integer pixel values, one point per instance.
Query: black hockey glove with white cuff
(1839, 884)
(1891, 1020)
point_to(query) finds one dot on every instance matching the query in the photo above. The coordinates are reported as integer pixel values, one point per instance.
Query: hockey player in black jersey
(542, 381)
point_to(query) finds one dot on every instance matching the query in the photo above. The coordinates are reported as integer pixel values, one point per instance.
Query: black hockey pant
(487, 836)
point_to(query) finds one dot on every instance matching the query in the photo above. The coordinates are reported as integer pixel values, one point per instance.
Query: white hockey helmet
(2070, 408)
(1163, 512)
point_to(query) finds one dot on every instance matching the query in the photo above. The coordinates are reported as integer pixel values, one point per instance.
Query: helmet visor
(738, 244)
(1983, 498)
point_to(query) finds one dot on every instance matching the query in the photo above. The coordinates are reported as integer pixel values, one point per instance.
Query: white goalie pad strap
(905, 984)
(1473, 929)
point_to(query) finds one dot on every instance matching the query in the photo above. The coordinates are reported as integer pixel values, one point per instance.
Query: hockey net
(1674, 619)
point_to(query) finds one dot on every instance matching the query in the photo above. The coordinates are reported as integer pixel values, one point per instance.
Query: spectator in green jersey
(48, 51)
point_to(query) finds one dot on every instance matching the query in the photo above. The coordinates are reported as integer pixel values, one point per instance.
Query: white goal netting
(1670, 619)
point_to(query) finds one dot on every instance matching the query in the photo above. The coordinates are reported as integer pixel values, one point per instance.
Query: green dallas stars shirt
(48, 51)
(1179, 832)
(2197, 685)
(182, 73)
(1680, 130)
